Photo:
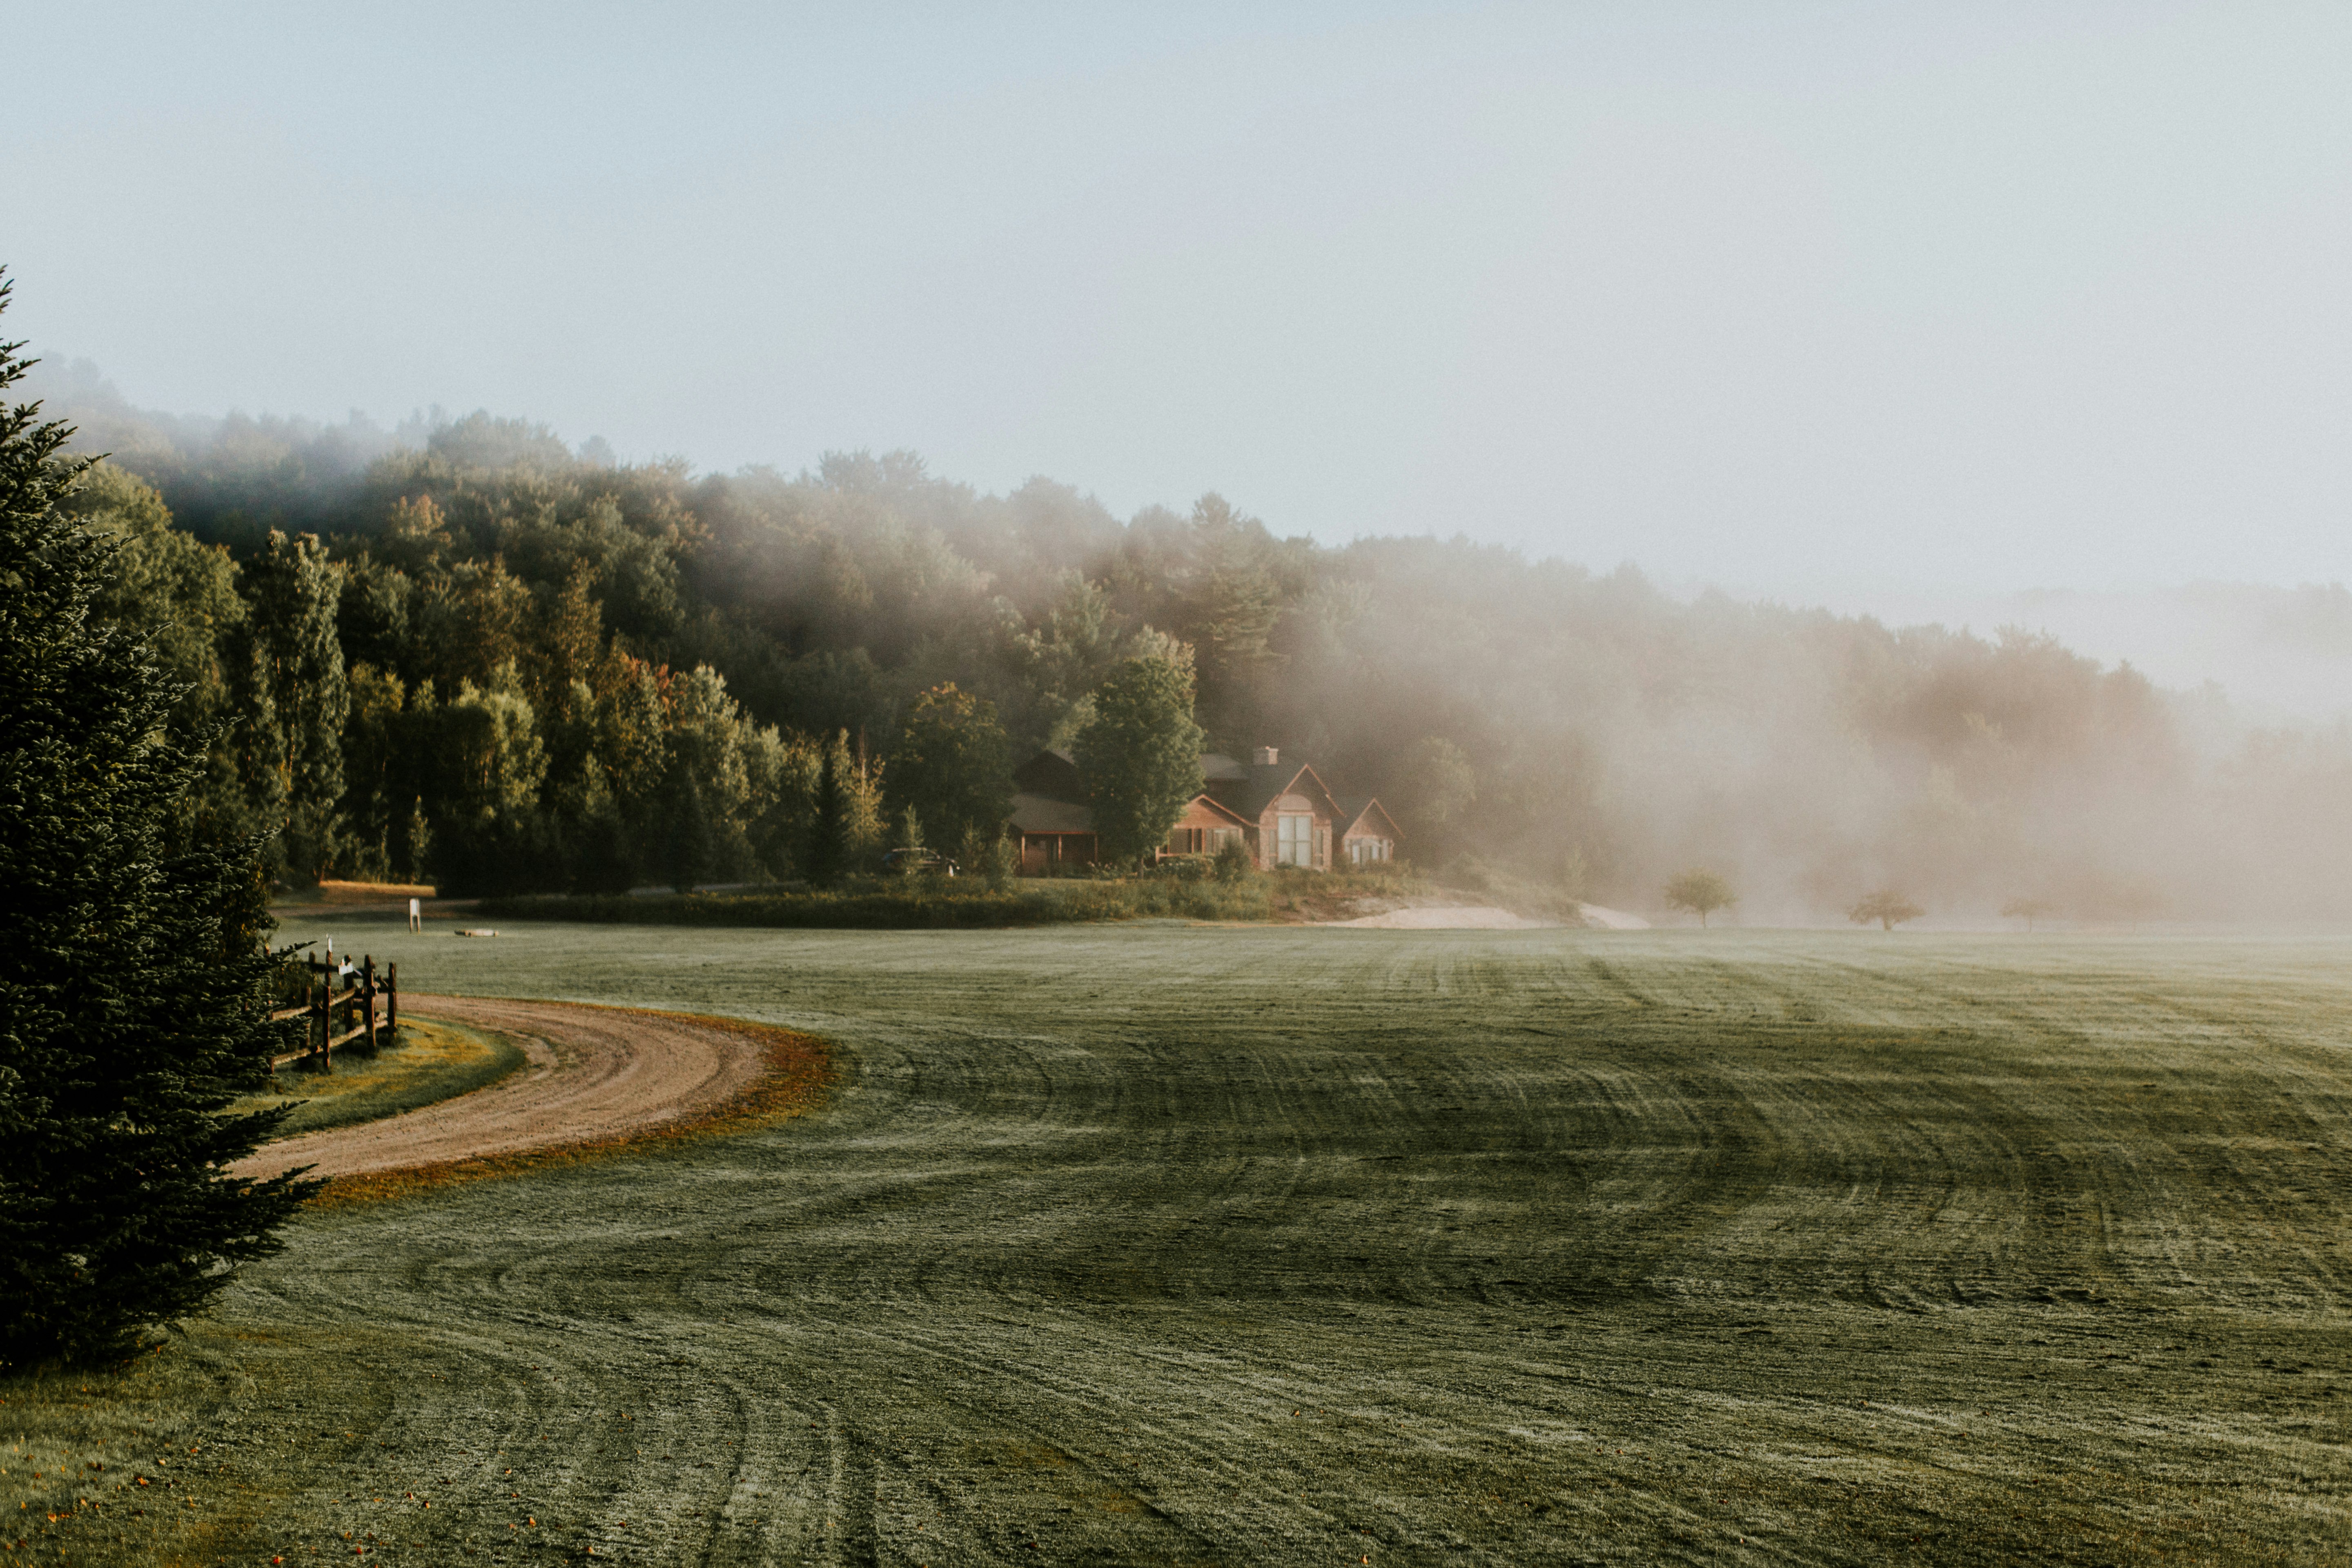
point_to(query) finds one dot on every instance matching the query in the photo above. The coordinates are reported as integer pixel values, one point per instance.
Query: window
(1294, 840)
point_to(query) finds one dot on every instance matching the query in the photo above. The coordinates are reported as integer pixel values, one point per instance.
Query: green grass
(917, 904)
(1187, 1244)
(924, 903)
(432, 1061)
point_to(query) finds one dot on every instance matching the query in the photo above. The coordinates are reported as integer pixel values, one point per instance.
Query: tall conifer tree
(130, 1016)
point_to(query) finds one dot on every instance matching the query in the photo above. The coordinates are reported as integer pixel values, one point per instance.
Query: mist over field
(1487, 784)
(1847, 449)
(1540, 728)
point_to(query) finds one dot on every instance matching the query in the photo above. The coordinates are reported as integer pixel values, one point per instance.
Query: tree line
(475, 655)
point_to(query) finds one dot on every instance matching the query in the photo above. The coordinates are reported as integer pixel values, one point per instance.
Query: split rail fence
(354, 1006)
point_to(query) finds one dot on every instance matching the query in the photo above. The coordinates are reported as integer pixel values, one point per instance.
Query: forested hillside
(466, 652)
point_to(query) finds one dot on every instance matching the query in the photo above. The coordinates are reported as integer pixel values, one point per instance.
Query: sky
(1825, 302)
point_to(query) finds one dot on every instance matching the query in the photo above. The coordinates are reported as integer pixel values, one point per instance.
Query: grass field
(431, 1062)
(1178, 1245)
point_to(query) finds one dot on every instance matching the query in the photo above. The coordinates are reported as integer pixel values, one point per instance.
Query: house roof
(1262, 782)
(1051, 775)
(1358, 813)
(1043, 814)
(1053, 797)
(1217, 765)
(1221, 808)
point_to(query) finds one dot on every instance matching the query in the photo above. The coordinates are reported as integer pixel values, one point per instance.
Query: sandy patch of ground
(592, 1073)
(1448, 917)
(1440, 913)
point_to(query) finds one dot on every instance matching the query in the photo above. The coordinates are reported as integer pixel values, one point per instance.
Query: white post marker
(415, 914)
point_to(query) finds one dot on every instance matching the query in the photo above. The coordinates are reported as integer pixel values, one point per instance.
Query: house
(1292, 815)
(1282, 813)
(1371, 836)
(1051, 825)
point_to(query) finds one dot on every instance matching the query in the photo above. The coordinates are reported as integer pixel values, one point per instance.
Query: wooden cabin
(1281, 812)
(1294, 814)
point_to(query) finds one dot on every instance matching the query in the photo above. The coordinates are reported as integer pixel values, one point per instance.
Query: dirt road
(595, 1073)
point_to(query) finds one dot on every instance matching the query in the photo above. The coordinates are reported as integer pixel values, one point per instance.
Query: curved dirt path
(590, 1073)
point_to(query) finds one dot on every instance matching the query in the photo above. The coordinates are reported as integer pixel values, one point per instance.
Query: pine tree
(827, 856)
(911, 839)
(129, 1012)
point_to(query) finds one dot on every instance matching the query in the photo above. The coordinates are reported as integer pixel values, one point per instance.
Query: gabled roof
(1263, 782)
(1051, 775)
(1042, 814)
(1360, 814)
(1221, 808)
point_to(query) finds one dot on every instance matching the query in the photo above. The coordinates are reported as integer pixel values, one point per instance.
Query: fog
(1812, 301)
(2280, 655)
(1842, 446)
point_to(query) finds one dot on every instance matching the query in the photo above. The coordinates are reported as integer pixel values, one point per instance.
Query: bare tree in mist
(2028, 909)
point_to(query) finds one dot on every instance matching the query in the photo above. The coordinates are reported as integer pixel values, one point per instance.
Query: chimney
(1265, 756)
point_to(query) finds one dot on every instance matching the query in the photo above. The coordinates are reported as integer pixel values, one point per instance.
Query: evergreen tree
(691, 855)
(827, 856)
(911, 838)
(130, 1014)
(861, 806)
(1140, 757)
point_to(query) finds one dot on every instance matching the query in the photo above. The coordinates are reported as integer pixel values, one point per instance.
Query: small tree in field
(1887, 906)
(130, 1014)
(2029, 910)
(1701, 892)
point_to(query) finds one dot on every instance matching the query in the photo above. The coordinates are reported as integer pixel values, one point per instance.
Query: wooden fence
(354, 1006)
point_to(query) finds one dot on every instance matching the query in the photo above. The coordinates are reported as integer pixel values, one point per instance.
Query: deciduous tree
(2029, 910)
(1140, 756)
(1701, 892)
(952, 764)
(297, 657)
(1887, 906)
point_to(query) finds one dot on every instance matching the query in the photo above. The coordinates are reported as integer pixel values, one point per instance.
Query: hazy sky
(1807, 300)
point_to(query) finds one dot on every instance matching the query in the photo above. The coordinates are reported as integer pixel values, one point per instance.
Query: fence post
(367, 998)
(392, 1001)
(322, 988)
